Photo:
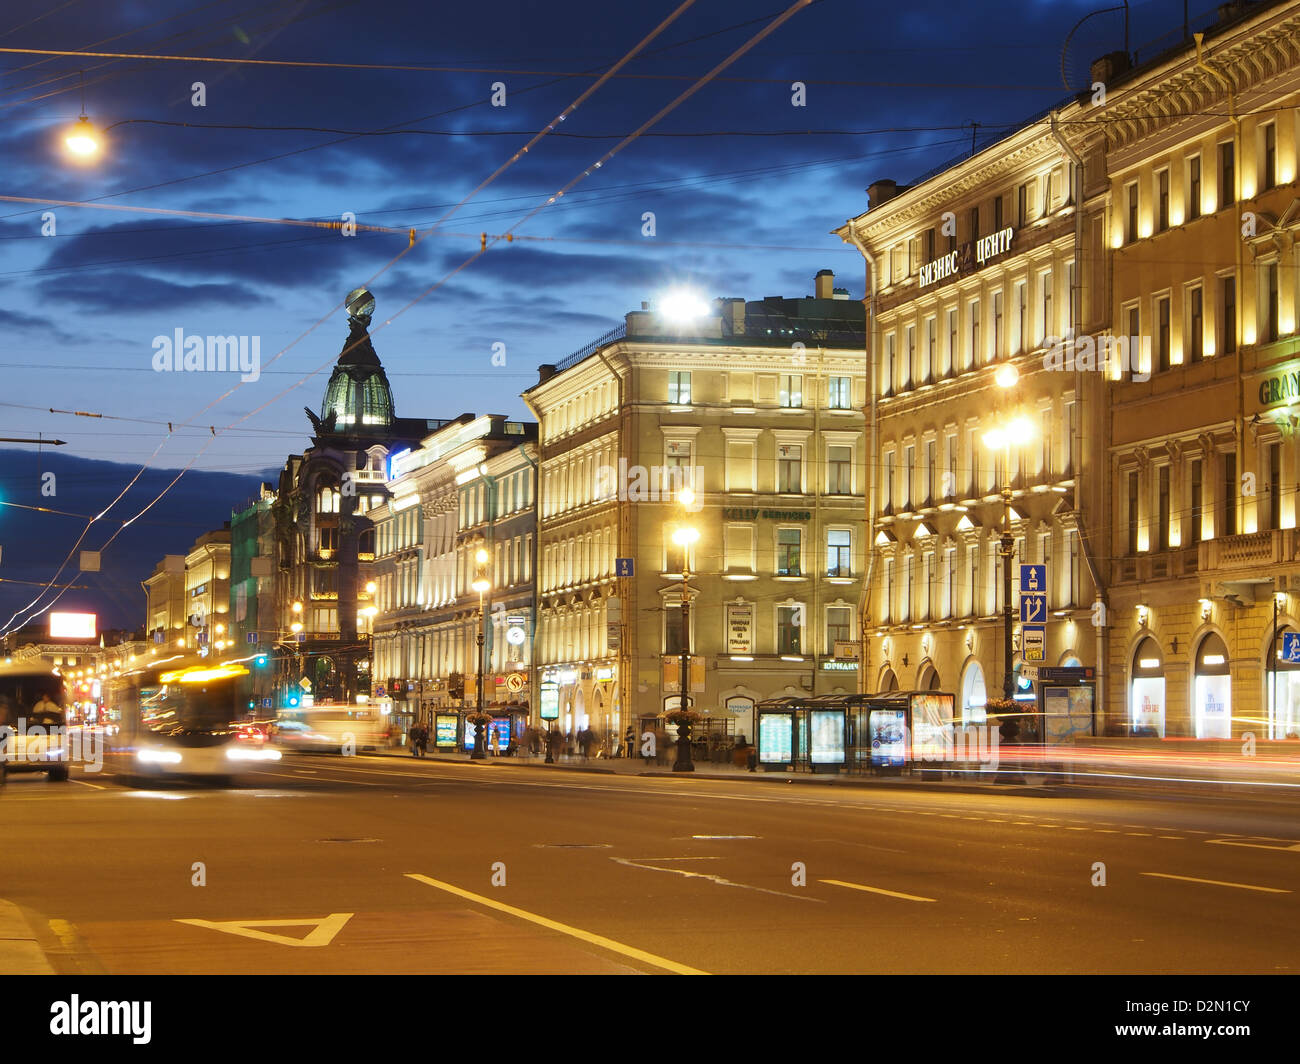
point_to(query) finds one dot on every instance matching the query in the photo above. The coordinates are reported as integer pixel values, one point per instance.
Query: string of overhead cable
(663, 25)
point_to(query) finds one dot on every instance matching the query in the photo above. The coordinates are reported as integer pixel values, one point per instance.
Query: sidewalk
(20, 953)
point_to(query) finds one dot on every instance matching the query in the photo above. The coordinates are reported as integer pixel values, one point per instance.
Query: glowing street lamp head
(370, 586)
(481, 556)
(297, 607)
(686, 497)
(82, 140)
(682, 306)
(685, 535)
(1007, 376)
(481, 584)
(1021, 430)
(995, 439)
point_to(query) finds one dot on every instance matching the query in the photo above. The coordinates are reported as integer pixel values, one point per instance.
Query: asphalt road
(381, 865)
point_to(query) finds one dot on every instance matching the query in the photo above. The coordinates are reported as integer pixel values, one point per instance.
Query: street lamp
(684, 535)
(1015, 432)
(481, 584)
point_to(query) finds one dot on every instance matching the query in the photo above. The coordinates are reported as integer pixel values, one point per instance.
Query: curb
(20, 953)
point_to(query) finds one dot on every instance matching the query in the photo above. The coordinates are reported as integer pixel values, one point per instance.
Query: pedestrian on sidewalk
(586, 740)
(661, 746)
(553, 741)
(494, 745)
(629, 742)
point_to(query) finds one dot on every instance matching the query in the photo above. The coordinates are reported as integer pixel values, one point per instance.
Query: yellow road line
(564, 929)
(875, 890)
(1217, 883)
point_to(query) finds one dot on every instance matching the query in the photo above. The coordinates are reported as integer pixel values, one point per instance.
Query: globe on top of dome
(360, 305)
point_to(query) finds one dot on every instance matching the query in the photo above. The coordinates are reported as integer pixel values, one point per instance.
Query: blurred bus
(32, 739)
(181, 722)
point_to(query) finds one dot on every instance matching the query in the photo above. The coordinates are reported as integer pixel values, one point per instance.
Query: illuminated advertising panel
(827, 746)
(444, 730)
(775, 737)
(550, 701)
(72, 625)
(888, 736)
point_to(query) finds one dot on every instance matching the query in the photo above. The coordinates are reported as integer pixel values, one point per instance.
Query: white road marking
(566, 929)
(93, 786)
(1293, 848)
(720, 880)
(1217, 883)
(876, 890)
(323, 930)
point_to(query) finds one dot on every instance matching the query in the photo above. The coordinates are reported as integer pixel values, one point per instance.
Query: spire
(358, 399)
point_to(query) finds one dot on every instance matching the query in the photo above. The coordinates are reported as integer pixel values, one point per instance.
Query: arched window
(1147, 691)
(888, 681)
(929, 679)
(1212, 698)
(974, 697)
(1283, 691)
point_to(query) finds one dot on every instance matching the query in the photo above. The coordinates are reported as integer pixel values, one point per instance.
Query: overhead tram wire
(585, 95)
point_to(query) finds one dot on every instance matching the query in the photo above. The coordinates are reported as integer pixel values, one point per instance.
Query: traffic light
(291, 701)
(252, 704)
(260, 660)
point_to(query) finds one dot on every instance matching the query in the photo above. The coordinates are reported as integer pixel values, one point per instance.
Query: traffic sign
(1033, 642)
(1291, 646)
(1033, 578)
(1033, 607)
(251, 637)
(622, 566)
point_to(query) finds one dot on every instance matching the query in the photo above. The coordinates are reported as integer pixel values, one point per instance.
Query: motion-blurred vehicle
(331, 729)
(31, 739)
(180, 723)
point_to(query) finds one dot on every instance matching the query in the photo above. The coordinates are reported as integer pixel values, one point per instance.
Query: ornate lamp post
(481, 584)
(684, 535)
(1016, 432)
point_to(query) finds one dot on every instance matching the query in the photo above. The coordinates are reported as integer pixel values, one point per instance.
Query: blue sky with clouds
(743, 185)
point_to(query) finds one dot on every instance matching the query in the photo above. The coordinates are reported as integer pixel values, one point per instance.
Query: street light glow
(685, 535)
(1007, 376)
(82, 140)
(682, 306)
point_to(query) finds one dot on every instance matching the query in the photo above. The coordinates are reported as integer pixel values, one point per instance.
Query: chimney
(1109, 67)
(823, 285)
(545, 373)
(880, 191)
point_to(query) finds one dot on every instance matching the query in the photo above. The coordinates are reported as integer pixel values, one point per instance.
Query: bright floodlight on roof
(682, 305)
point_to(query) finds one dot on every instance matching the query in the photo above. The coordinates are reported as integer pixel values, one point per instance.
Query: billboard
(72, 625)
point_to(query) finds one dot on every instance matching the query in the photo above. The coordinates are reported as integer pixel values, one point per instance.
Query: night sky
(743, 185)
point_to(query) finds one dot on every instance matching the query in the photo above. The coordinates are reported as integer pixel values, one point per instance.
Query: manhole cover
(572, 845)
(349, 840)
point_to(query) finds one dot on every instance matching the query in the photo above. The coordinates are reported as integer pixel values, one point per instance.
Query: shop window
(1147, 691)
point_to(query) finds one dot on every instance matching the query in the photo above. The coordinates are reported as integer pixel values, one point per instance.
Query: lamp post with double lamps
(684, 535)
(1013, 431)
(481, 584)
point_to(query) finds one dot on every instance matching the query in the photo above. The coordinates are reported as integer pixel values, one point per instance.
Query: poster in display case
(775, 737)
(888, 737)
(827, 747)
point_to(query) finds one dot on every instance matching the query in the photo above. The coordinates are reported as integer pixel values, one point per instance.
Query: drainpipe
(869, 355)
(1076, 444)
(534, 690)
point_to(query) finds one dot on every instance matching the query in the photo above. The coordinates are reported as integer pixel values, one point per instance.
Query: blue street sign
(1033, 578)
(622, 566)
(251, 637)
(1291, 646)
(1033, 607)
(1033, 642)
(266, 703)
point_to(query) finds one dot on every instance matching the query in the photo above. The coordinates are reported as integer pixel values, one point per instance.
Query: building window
(1162, 332)
(1131, 199)
(739, 546)
(1132, 513)
(1274, 486)
(949, 486)
(1022, 316)
(949, 599)
(973, 557)
(929, 355)
(909, 357)
(950, 365)
(1270, 157)
(1022, 204)
(1197, 500)
(1269, 302)
(997, 326)
(673, 644)
(791, 390)
(839, 393)
(887, 591)
(679, 388)
(887, 482)
(975, 223)
(1071, 567)
(997, 214)
(1162, 201)
(887, 370)
(789, 468)
(1228, 315)
(973, 354)
(838, 552)
(928, 586)
(931, 457)
(839, 626)
(1229, 499)
(1195, 324)
(973, 444)
(1045, 306)
(787, 629)
(1163, 511)
(740, 465)
(839, 470)
(789, 552)
(1048, 467)
(909, 474)
(1194, 187)
(1227, 175)
(678, 468)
